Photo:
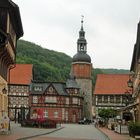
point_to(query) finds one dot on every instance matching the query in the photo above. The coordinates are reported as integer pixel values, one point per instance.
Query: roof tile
(111, 84)
(21, 74)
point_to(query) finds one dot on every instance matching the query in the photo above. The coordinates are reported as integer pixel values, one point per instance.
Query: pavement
(114, 135)
(20, 133)
(76, 132)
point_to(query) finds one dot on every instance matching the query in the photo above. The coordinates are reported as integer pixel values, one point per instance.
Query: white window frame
(50, 99)
(75, 100)
(46, 114)
(55, 114)
(67, 101)
(35, 99)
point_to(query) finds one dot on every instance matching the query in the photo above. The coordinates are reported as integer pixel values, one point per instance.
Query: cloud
(110, 26)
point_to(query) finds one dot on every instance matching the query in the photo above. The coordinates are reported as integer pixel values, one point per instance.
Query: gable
(50, 90)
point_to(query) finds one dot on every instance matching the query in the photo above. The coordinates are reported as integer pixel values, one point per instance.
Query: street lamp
(4, 91)
(130, 83)
(129, 98)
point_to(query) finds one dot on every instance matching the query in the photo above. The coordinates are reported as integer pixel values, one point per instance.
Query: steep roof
(111, 84)
(21, 74)
(71, 82)
(14, 12)
(136, 51)
(59, 87)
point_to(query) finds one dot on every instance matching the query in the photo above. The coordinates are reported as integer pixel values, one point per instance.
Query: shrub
(134, 129)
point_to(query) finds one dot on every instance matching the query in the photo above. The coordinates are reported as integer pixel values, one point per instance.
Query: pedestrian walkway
(113, 135)
(18, 132)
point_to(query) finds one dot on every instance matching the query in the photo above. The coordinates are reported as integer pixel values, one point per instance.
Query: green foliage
(94, 74)
(49, 65)
(107, 113)
(115, 71)
(134, 129)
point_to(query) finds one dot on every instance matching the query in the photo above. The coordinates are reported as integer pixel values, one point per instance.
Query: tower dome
(81, 55)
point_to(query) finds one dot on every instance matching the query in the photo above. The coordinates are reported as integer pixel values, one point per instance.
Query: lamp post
(129, 98)
(4, 91)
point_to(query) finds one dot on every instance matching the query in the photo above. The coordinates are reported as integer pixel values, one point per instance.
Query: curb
(25, 138)
(107, 138)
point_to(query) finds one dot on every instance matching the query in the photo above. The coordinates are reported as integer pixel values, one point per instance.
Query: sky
(110, 27)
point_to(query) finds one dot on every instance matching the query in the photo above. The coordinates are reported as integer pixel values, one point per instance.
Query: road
(74, 132)
(65, 132)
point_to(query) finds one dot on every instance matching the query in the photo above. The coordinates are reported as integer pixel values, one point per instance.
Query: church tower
(82, 68)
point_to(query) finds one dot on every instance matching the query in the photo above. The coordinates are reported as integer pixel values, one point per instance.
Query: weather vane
(82, 18)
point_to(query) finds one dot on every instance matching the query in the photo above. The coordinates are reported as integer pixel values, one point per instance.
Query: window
(79, 103)
(118, 99)
(123, 99)
(76, 91)
(111, 99)
(105, 99)
(50, 99)
(35, 99)
(99, 99)
(63, 113)
(38, 88)
(51, 90)
(46, 114)
(55, 114)
(66, 115)
(74, 100)
(67, 101)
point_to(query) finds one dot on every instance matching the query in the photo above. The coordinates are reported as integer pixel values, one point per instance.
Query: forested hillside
(50, 65)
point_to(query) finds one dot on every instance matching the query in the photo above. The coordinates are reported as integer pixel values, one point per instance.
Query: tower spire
(82, 17)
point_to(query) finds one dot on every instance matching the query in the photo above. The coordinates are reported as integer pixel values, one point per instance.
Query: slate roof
(14, 12)
(136, 51)
(59, 87)
(81, 57)
(71, 82)
(111, 84)
(21, 74)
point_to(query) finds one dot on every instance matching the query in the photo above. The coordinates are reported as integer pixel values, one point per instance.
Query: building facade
(135, 78)
(82, 68)
(10, 31)
(19, 85)
(111, 91)
(61, 102)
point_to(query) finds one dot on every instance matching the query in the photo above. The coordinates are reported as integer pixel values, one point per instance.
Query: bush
(134, 129)
(45, 123)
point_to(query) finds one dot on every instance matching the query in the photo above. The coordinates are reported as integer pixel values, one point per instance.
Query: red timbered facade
(61, 102)
(19, 85)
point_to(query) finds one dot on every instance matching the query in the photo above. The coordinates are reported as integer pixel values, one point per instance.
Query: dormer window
(38, 88)
(50, 89)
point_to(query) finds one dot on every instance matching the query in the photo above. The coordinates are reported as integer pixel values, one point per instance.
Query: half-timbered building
(57, 101)
(10, 31)
(111, 91)
(19, 85)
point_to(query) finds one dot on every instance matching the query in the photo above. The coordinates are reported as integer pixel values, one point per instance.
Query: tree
(107, 113)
